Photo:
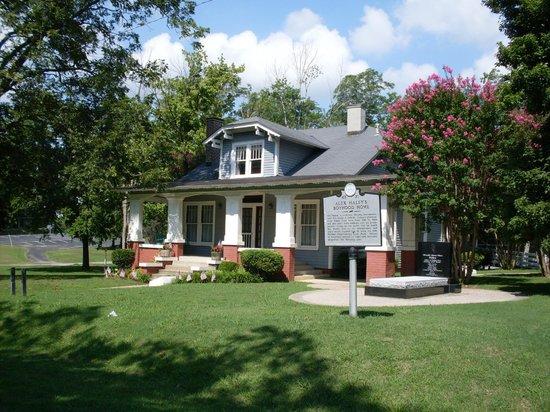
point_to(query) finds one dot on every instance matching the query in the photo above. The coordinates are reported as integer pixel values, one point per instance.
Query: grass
(13, 255)
(228, 346)
(74, 255)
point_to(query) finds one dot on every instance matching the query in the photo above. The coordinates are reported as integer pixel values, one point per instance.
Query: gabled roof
(283, 132)
(346, 154)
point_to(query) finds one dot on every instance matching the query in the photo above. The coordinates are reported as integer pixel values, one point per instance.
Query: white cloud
(300, 21)
(376, 34)
(484, 64)
(162, 48)
(407, 74)
(265, 58)
(467, 21)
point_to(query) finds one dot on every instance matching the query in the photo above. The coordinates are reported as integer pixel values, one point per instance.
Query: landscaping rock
(162, 280)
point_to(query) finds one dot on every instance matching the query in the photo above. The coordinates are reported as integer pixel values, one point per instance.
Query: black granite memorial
(434, 259)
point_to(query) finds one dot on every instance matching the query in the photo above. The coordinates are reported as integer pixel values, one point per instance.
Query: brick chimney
(356, 119)
(213, 124)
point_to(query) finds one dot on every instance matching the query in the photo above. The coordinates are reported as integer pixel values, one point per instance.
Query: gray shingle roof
(346, 154)
(292, 135)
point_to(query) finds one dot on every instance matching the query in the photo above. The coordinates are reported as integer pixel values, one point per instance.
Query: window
(199, 223)
(306, 224)
(248, 159)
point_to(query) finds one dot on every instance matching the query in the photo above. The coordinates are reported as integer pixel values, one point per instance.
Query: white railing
(247, 239)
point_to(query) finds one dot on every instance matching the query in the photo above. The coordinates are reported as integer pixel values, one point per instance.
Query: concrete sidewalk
(335, 293)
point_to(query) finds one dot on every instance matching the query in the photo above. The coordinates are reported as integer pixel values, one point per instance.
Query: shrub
(238, 276)
(123, 258)
(478, 258)
(265, 263)
(228, 266)
(142, 277)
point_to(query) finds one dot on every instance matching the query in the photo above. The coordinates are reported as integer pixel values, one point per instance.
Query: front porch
(289, 221)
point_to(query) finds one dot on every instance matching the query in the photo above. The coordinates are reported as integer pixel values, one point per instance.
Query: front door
(252, 218)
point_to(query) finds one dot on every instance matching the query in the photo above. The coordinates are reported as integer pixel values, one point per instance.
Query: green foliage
(282, 103)
(368, 89)
(265, 263)
(123, 258)
(155, 220)
(478, 258)
(228, 266)
(142, 277)
(237, 276)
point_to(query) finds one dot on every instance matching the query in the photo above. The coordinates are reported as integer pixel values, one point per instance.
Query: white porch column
(175, 220)
(233, 228)
(135, 224)
(387, 227)
(284, 222)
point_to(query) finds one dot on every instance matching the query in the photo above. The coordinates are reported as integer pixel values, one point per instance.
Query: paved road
(37, 245)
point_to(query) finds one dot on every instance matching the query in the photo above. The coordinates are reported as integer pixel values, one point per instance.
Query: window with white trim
(199, 223)
(306, 224)
(248, 159)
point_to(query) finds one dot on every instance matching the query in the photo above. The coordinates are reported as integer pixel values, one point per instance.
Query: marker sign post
(352, 219)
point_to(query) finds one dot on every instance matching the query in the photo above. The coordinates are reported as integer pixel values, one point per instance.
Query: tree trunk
(124, 222)
(456, 258)
(85, 253)
(472, 255)
(544, 262)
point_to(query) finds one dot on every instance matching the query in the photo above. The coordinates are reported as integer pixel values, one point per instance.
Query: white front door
(252, 227)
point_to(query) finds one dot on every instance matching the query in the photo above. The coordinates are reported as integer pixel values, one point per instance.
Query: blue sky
(403, 39)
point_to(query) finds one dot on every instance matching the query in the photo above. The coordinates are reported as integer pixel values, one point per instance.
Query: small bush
(238, 276)
(123, 258)
(142, 277)
(228, 266)
(478, 258)
(265, 263)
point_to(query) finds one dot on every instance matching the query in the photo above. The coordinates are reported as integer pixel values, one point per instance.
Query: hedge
(123, 258)
(265, 263)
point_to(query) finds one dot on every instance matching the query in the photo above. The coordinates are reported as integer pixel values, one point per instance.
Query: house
(262, 186)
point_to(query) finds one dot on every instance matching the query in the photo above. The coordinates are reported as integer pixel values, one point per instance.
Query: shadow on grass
(59, 358)
(368, 313)
(56, 272)
(528, 284)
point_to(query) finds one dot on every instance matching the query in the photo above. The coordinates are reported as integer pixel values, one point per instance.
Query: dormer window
(248, 159)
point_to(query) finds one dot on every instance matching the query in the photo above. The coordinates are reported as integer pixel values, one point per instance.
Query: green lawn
(13, 255)
(74, 255)
(230, 346)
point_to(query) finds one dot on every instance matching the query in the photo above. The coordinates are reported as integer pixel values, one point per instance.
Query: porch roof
(272, 182)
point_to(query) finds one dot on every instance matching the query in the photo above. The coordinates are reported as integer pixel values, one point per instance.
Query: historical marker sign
(434, 259)
(352, 219)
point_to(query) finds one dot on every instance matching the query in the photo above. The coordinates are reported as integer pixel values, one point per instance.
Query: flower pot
(216, 255)
(165, 253)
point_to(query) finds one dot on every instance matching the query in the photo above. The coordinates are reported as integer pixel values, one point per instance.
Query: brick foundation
(380, 264)
(288, 256)
(147, 255)
(177, 249)
(231, 253)
(135, 247)
(408, 262)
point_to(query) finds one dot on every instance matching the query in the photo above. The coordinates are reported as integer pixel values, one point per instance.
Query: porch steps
(304, 272)
(186, 264)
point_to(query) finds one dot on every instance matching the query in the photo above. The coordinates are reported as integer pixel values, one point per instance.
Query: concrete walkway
(335, 293)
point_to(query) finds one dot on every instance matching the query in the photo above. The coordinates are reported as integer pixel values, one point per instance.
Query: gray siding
(269, 153)
(291, 155)
(435, 232)
(316, 258)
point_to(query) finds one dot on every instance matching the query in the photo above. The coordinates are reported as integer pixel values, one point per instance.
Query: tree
(67, 40)
(282, 103)
(183, 104)
(368, 89)
(447, 142)
(527, 56)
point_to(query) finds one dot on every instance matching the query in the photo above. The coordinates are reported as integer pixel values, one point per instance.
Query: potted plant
(216, 252)
(166, 250)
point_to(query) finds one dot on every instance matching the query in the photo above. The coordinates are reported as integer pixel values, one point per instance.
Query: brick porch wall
(290, 261)
(380, 264)
(408, 262)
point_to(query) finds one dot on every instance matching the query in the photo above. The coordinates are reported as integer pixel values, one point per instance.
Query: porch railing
(247, 239)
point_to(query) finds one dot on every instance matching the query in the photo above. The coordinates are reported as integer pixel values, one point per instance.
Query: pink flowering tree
(446, 144)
